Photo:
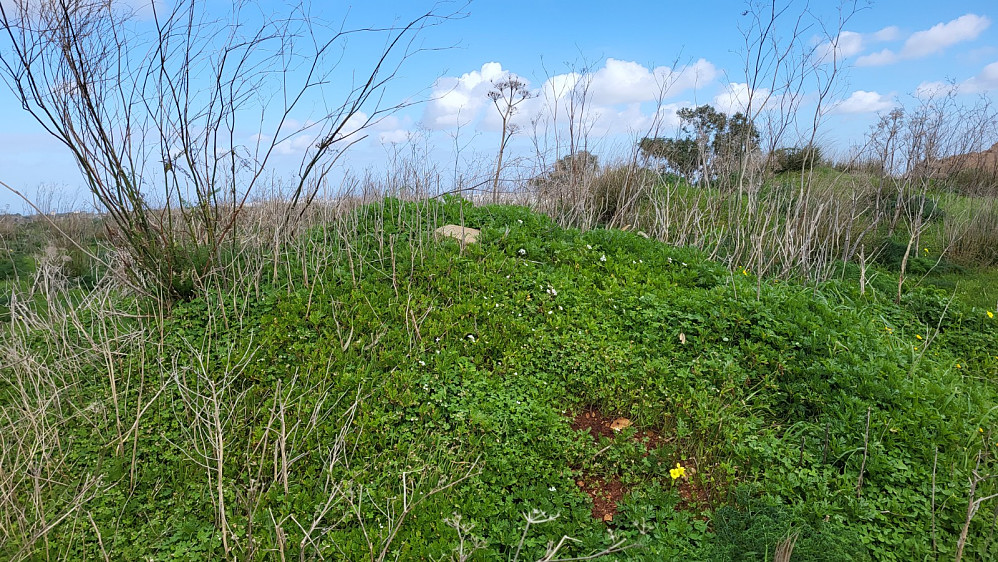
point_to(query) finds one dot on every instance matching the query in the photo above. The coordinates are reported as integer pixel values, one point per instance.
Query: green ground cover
(411, 393)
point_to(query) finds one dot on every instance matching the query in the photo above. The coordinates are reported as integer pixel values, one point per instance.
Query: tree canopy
(709, 143)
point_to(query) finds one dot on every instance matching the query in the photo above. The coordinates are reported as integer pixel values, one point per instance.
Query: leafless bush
(154, 112)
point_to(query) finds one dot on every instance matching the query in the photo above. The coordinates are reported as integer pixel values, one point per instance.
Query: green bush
(796, 159)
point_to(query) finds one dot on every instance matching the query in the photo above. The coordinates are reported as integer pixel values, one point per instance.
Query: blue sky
(891, 51)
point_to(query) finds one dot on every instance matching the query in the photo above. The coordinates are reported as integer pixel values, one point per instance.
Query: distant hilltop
(974, 169)
(19, 218)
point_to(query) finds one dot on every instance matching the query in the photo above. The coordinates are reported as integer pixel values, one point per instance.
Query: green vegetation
(710, 143)
(370, 392)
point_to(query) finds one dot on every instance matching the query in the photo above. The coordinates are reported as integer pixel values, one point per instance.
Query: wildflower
(602, 257)
(522, 252)
(551, 489)
(471, 337)
(678, 472)
(926, 250)
(589, 247)
(990, 314)
(980, 430)
(519, 221)
(918, 336)
(422, 363)
(958, 366)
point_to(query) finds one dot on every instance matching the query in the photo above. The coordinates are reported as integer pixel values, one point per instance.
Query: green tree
(710, 143)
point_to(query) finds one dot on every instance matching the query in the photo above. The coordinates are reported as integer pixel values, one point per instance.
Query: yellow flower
(980, 430)
(678, 472)
(958, 366)
(990, 314)
(918, 336)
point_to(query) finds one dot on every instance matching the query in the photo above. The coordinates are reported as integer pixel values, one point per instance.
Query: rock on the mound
(462, 233)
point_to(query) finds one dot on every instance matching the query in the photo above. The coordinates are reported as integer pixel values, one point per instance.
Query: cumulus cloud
(862, 101)
(456, 101)
(620, 82)
(616, 95)
(850, 43)
(737, 95)
(984, 81)
(930, 41)
(879, 58)
(845, 45)
(928, 90)
(393, 130)
(890, 33)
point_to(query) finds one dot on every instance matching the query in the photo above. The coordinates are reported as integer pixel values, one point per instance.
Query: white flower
(550, 312)
(422, 363)
(602, 258)
(471, 337)
(589, 247)
(519, 221)
(551, 489)
(522, 252)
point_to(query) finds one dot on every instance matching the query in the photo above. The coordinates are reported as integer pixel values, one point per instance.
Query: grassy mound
(385, 394)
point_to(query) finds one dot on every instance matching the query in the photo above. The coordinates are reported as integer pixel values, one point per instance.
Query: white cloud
(620, 82)
(845, 45)
(862, 101)
(457, 101)
(737, 96)
(929, 90)
(392, 130)
(879, 58)
(615, 96)
(295, 145)
(929, 41)
(985, 81)
(559, 86)
(850, 43)
(890, 33)
(942, 35)
(394, 136)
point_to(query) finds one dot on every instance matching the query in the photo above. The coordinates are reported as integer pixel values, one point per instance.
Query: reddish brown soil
(691, 491)
(597, 424)
(605, 494)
